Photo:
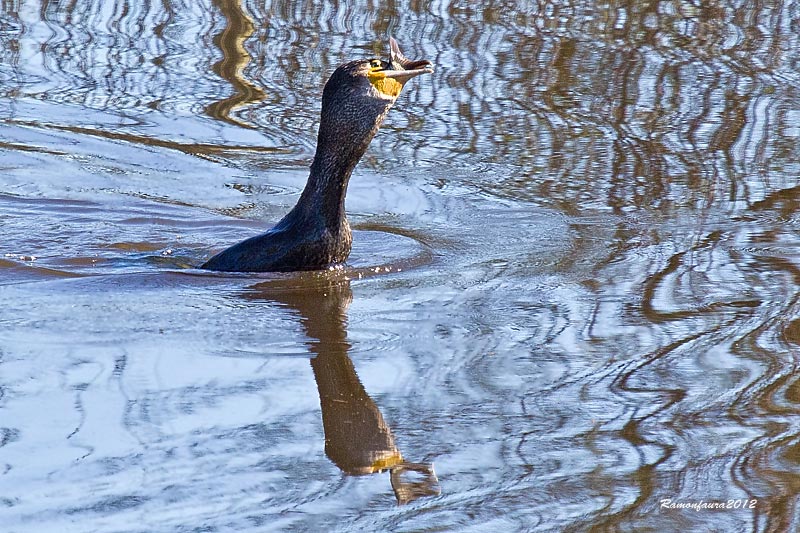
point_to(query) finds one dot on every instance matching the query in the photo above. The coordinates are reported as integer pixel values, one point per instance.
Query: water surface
(572, 294)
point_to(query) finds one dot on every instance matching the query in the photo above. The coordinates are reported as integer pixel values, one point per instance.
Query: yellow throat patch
(387, 86)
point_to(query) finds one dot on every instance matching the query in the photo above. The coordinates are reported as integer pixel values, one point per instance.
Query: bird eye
(375, 63)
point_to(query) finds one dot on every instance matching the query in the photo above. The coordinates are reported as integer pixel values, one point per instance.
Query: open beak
(403, 69)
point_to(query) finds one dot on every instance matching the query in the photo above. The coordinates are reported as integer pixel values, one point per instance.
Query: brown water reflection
(357, 439)
(238, 28)
(595, 308)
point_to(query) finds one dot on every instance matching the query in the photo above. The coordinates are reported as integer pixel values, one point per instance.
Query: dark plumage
(315, 233)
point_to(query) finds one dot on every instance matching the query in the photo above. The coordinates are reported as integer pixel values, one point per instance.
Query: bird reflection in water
(357, 438)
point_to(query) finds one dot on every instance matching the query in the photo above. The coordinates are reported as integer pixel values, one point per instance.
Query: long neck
(326, 188)
(340, 146)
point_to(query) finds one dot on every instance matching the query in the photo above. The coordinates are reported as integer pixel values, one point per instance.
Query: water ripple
(573, 285)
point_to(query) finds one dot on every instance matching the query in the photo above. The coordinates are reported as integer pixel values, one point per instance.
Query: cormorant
(315, 233)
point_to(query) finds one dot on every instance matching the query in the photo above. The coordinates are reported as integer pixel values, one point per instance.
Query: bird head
(388, 77)
(358, 94)
(376, 78)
